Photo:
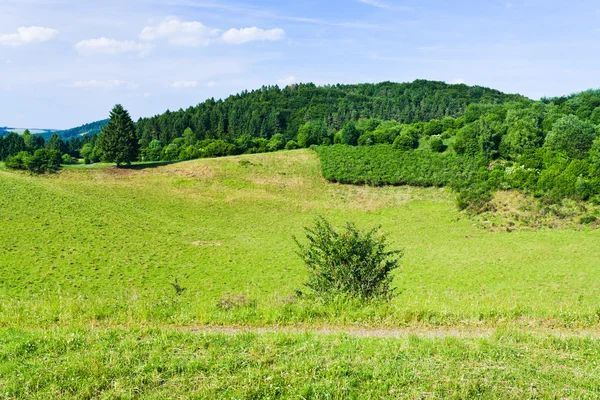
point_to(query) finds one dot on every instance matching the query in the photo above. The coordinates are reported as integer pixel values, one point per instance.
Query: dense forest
(474, 139)
(269, 118)
(549, 149)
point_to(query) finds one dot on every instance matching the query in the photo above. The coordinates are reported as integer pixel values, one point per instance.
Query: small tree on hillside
(117, 142)
(348, 262)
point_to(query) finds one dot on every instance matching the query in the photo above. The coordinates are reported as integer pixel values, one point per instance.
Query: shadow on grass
(148, 165)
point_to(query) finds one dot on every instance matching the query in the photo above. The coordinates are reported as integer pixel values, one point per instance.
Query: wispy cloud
(385, 5)
(112, 47)
(245, 35)
(258, 12)
(26, 35)
(375, 3)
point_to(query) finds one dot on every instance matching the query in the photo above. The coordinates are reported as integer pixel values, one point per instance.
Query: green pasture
(103, 245)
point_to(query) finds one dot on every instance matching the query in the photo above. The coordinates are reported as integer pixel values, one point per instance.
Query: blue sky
(67, 62)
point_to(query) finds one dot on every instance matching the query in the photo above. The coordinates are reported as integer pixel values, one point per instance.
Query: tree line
(271, 118)
(461, 120)
(549, 149)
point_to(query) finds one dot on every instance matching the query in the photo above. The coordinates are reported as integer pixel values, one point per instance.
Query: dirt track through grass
(321, 363)
(360, 332)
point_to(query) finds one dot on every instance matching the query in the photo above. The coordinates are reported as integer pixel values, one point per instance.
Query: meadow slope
(101, 245)
(88, 309)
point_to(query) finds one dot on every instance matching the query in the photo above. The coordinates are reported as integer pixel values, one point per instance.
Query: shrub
(216, 148)
(467, 140)
(474, 199)
(277, 142)
(405, 142)
(350, 262)
(437, 144)
(367, 139)
(292, 145)
(18, 161)
(67, 159)
(41, 161)
(44, 161)
(433, 127)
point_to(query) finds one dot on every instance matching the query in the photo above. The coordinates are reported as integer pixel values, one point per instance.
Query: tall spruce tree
(118, 142)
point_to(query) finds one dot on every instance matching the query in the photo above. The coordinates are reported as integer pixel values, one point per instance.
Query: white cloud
(212, 84)
(184, 84)
(283, 82)
(26, 35)
(180, 33)
(195, 34)
(457, 81)
(110, 84)
(245, 35)
(111, 46)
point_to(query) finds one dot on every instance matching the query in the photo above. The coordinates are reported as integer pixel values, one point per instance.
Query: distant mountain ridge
(83, 130)
(5, 130)
(67, 134)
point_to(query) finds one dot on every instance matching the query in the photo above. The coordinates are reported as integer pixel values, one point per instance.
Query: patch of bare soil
(202, 243)
(512, 210)
(191, 170)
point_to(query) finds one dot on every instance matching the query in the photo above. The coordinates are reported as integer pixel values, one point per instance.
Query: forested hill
(84, 130)
(268, 111)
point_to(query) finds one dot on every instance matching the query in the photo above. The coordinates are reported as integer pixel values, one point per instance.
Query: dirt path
(468, 333)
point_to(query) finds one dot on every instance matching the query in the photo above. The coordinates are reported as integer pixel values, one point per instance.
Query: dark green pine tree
(118, 142)
(55, 143)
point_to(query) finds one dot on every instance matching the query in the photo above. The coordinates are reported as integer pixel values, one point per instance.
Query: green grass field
(97, 244)
(169, 364)
(87, 258)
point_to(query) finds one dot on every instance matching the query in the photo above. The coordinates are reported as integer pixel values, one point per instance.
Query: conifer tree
(118, 142)
(55, 143)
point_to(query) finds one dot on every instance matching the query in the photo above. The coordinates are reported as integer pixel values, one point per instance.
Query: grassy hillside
(87, 309)
(104, 245)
